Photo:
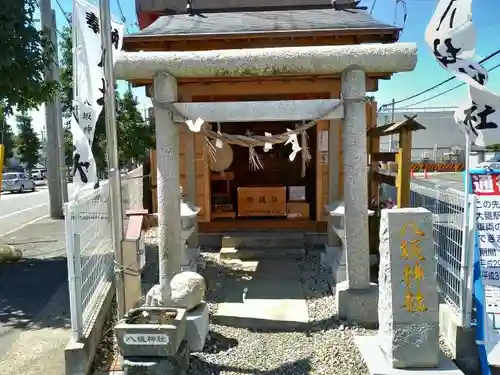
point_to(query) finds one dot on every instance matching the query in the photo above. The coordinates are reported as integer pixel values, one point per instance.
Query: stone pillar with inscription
(408, 302)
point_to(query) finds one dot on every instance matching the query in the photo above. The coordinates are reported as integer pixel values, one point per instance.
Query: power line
(124, 20)
(63, 12)
(436, 86)
(442, 93)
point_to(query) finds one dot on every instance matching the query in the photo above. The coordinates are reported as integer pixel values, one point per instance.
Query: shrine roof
(261, 22)
(409, 124)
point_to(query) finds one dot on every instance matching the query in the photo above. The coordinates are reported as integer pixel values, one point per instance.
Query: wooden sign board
(262, 201)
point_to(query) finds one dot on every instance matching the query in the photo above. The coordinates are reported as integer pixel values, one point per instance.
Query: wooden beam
(300, 84)
(217, 43)
(383, 156)
(388, 179)
(286, 110)
(192, 42)
(261, 87)
(403, 179)
(268, 87)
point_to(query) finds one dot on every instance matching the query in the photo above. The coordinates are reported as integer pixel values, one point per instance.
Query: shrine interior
(277, 190)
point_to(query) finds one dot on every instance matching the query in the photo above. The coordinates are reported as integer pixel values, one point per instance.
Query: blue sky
(427, 72)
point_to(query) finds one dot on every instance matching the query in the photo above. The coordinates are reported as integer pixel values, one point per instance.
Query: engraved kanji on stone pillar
(408, 302)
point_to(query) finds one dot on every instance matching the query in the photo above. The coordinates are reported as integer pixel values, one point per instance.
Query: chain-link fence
(89, 242)
(447, 207)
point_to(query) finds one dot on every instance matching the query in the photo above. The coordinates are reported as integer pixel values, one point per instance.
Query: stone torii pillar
(167, 164)
(357, 298)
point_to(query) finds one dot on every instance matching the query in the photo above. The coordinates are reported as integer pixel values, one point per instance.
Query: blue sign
(485, 183)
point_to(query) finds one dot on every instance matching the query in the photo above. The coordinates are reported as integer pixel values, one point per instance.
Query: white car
(38, 174)
(17, 181)
(493, 163)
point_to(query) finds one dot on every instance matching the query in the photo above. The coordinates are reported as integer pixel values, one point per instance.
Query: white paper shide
(89, 82)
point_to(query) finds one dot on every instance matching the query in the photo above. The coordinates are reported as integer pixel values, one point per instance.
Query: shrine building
(239, 187)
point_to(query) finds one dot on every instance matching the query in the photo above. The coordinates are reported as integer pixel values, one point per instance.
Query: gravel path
(327, 347)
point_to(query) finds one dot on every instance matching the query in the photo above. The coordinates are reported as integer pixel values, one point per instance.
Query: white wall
(441, 131)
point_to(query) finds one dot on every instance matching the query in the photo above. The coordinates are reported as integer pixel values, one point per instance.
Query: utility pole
(63, 180)
(53, 167)
(112, 146)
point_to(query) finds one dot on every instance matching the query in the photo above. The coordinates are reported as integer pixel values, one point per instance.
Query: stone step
(261, 245)
(264, 240)
(248, 253)
(271, 299)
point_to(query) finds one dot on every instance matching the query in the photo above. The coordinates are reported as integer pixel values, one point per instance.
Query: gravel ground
(327, 347)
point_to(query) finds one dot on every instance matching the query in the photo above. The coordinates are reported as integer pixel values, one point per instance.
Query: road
(445, 180)
(18, 209)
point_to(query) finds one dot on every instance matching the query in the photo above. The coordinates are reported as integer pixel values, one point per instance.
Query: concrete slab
(272, 299)
(264, 240)
(378, 365)
(260, 253)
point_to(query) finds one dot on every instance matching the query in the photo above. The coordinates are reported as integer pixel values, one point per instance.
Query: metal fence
(89, 245)
(452, 258)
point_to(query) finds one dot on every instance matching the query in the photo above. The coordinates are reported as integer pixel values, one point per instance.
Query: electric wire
(66, 15)
(124, 20)
(383, 106)
(441, 93)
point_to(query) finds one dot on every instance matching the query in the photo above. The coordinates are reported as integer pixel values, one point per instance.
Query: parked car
(16, 181)
(493, 163)
(38, 174)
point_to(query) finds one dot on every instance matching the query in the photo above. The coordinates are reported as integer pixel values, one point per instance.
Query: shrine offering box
(296, 193)
(297, 210)
(262, 201)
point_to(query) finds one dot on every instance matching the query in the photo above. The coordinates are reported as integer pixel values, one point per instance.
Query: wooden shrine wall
(322, 168)
(202, 171)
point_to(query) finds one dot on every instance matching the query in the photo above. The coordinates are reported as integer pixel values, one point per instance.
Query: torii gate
(356, 297)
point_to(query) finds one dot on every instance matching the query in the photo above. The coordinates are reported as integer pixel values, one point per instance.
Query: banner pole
(112, 150)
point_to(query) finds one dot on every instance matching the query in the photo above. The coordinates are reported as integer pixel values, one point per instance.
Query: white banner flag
(84, 167)
(452, 38)
(450, 33)
(88, 62)
(479, 117)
